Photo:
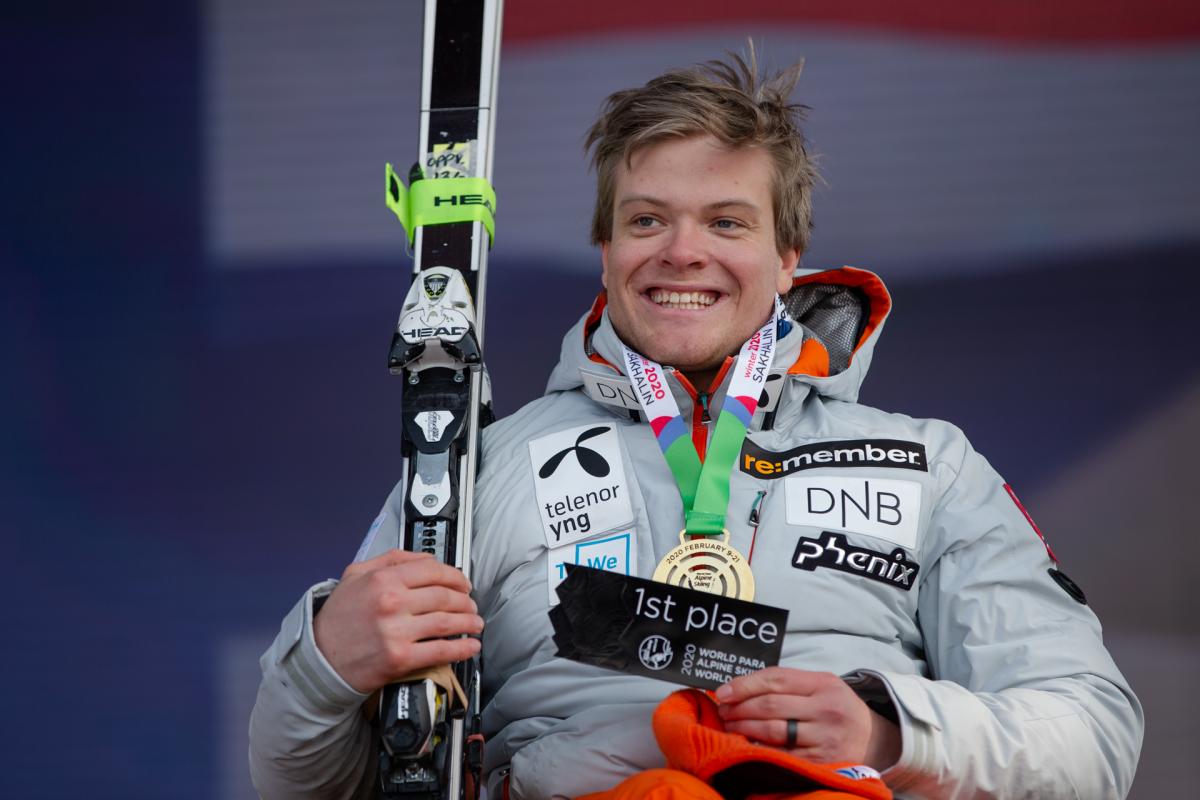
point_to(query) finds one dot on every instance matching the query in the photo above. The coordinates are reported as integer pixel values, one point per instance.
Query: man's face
(692, 269)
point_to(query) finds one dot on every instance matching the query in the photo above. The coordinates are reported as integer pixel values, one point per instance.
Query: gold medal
(708, 565)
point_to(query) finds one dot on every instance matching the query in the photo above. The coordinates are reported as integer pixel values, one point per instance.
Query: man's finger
(431, 572)
(389, 559)
(774, 732)
(772, 680)
(440, 624)
(442, 651)
(424, 572)
(768, 707)
(439, 598)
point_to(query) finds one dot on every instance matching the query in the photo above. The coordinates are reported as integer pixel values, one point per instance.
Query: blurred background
(200, 282)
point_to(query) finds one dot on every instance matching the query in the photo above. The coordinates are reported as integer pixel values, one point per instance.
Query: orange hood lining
(590, 325)
(879, 302)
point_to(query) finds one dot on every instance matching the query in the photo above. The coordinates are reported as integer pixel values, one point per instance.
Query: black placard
(667, 632)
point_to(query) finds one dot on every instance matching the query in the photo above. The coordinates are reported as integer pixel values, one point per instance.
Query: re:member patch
(895, 453)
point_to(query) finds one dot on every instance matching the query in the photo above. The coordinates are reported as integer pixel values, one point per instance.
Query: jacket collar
(838, 315)
(605, 379)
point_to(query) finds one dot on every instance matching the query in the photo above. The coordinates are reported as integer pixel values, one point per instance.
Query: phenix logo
(833, 551)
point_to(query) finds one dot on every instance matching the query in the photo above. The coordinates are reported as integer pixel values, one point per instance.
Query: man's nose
(684, 246)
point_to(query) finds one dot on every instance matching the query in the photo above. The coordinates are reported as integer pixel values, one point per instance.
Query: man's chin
(677, 345)
(685, 361)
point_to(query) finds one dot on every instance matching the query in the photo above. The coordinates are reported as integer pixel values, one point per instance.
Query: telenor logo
(592, 462)
(762, 463)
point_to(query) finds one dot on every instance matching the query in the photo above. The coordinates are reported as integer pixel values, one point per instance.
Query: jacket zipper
(700, 416)
(754, 519)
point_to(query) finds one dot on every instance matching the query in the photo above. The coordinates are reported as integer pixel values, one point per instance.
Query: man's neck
(702, 379)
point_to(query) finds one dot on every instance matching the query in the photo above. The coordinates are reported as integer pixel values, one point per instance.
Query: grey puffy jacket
(905, 561)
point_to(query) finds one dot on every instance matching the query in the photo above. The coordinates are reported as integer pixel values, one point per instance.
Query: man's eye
(728, 224)
(644, 222)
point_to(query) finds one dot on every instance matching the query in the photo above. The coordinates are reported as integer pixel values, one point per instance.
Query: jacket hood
(840, 314)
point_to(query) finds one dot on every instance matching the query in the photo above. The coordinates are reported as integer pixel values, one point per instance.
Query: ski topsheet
(430, 745)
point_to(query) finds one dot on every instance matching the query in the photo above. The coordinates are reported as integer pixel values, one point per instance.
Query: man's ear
(788, 261)
(604, 264)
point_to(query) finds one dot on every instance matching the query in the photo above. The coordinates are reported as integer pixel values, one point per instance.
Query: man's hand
(833, 724)
(388, 617)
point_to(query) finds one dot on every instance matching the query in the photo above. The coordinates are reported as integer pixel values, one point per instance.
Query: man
(930, 634)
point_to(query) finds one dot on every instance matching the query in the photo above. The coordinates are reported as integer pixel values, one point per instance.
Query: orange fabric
(658, 784)
(693, 738)
(704, 762)
(872, 287)
(813, 360)
(699, 432)
(671, 784)
(589, 325)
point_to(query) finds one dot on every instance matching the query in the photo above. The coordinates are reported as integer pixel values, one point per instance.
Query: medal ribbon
(704, 486)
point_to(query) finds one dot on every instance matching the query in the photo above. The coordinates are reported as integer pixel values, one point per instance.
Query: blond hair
(730, 101)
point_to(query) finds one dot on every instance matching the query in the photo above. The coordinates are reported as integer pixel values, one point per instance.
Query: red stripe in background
(1083, 22)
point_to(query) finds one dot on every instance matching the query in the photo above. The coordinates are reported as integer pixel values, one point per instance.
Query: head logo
(435, 286)
(592, 462)
(655, 652)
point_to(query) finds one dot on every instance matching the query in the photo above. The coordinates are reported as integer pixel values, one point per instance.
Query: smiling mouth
(684, 300)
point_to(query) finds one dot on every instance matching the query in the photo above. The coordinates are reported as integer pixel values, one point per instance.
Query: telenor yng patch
(579, 480)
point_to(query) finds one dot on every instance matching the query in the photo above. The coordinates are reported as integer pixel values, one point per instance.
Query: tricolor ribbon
(704, 485)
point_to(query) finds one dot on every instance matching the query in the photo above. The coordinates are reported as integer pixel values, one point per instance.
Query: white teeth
(684, 300)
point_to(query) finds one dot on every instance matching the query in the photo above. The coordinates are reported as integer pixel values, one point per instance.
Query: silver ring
(791, 733)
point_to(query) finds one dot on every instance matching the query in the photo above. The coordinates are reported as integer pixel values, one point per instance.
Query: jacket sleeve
(308, 735)
(1024, 699)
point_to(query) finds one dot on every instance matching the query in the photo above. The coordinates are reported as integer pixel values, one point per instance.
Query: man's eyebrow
(640, 198)
(731, 202)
